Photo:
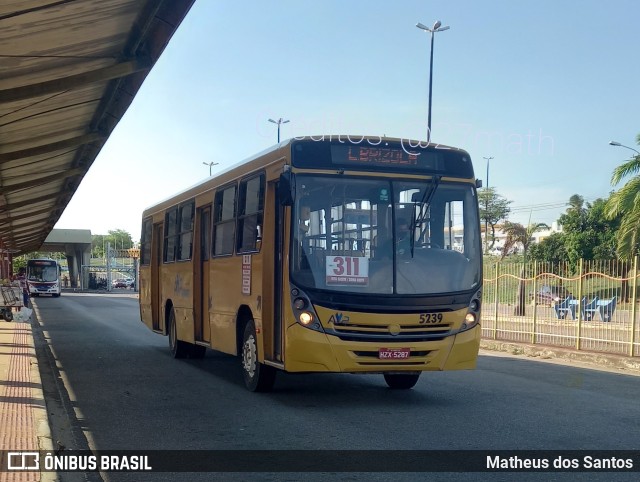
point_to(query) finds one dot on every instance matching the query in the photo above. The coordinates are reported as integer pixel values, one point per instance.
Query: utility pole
(279, 122)
(486, 209)
(437, 27)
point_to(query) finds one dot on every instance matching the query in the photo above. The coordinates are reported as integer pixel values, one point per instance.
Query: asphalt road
(111, 384)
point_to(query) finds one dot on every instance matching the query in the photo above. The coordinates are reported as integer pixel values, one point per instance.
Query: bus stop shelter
(68, 72)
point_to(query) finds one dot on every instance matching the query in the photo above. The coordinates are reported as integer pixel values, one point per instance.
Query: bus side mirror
(286, 192)
(478, 183)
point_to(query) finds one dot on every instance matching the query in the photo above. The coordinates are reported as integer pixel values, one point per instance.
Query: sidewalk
(567, 356)
(24, 425)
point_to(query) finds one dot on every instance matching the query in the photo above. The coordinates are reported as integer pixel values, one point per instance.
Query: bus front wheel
(401, 381)
(179, 348)
(257, 376)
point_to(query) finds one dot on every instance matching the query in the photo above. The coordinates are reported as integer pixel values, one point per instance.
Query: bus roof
(223, 177)
(244, 167)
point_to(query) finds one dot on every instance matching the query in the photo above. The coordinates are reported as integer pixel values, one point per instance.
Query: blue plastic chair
(565, 308)
(606, 308)
(590, 309)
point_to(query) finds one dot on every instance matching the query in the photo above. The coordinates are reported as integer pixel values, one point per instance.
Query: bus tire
(401, 381)
(7, 315)
(179, 348)
(257, 376)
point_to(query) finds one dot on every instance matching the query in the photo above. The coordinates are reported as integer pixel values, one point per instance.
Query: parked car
(120, 283)
(550, 295)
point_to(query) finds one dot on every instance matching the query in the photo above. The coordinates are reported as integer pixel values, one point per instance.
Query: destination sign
(382, 156)
(372, 155)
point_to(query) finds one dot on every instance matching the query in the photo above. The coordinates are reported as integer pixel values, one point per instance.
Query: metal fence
(589, 306)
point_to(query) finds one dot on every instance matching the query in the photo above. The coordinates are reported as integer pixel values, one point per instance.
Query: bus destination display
(372, 155)
(367, 156)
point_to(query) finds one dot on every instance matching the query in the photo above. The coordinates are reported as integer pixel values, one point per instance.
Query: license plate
(394, 353)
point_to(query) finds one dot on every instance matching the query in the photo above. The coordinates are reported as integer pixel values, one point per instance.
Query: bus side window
(184, 246)
(170, 235)
(224, 221)
(250, 214)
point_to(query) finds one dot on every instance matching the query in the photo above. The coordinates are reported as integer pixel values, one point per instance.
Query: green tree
(576, 204)
(493, 209)
(588, 232)
(118, 238)
(551, 249)
(97, 245)
(625, 203)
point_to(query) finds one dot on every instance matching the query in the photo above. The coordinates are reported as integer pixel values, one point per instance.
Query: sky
(541, 87)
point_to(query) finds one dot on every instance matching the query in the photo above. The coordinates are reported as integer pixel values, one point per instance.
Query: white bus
(43, 277)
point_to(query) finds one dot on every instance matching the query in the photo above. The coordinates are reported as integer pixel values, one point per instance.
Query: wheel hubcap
(249, 356)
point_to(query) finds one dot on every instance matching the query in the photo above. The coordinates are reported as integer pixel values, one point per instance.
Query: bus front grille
(376, 333)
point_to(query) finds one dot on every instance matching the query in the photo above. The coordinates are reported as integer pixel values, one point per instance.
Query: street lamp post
(279, 122)
(436, 28)
(486, 208)
(617, 144)
(210, 164)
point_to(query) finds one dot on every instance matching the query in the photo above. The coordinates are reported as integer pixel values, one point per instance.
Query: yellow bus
(325, 254)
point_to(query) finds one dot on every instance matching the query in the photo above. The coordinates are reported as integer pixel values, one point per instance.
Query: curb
(40, 413)
(601, 360)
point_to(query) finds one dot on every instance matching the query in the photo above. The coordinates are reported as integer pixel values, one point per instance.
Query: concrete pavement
(24, 424)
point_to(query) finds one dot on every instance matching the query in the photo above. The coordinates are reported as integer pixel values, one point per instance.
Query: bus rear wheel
(179, 348)
(401, 381)
(257, 376)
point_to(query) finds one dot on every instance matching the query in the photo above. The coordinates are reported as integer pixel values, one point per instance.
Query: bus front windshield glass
(367, 235)
(43, 272)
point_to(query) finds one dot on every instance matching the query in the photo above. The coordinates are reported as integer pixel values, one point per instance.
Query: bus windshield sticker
(246, 274)
(347, 270)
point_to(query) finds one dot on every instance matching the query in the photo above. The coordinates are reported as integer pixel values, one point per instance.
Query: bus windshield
(42, 271)
(385, 236)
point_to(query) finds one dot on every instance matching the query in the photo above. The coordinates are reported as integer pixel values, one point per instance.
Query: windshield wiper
(427, 197)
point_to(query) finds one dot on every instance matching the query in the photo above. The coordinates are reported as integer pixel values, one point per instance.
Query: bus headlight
(305, 318)
(472, 318)
(303, 310)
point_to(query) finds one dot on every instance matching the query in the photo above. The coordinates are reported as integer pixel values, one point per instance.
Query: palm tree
(518, 234)
(626, 203)
(576, 204)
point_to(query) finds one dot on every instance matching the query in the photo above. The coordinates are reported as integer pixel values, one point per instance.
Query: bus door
(278, 311)
(272, 276)
(156, 261)
(201, 254)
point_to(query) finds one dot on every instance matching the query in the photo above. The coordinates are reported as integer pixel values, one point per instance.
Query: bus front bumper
(311, 351)
(44, 289)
